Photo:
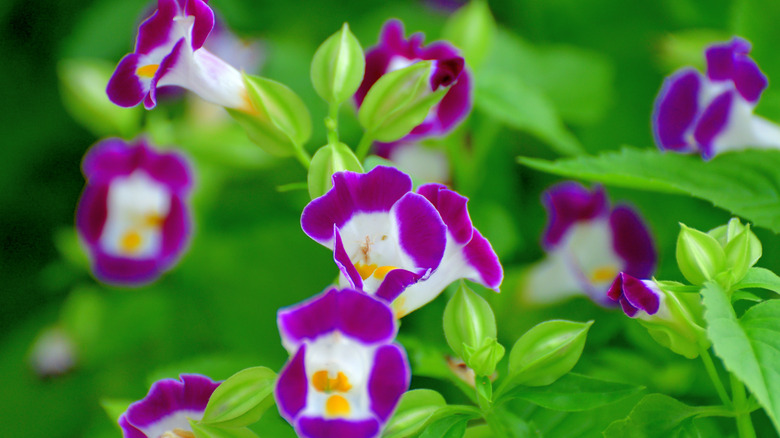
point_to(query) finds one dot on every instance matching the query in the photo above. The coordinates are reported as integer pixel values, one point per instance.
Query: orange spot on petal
(337, 406)
(320, 381)
(147, 71)
(365, 271)
(604, 273)
(382, 271)
(130, 242)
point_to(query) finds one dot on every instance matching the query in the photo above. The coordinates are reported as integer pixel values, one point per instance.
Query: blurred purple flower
(713, 113)
(588, 244)
(133, 216)
(346, 375)
(167, 408)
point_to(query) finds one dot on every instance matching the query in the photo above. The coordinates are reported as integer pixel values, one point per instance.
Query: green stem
(332, 123)
(744, 422)
(302, 156)
(713, 373)
(494, 422)
(364, 146)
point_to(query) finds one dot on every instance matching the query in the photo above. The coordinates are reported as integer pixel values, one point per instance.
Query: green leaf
(745, 183)
(656, 415)
(574, 392)
(414, 409)
(453, 426)
(471, 28)
(749, 347)
(503, 97)
(338, 66)
(242, 399)
(760, 278)
(208, 431)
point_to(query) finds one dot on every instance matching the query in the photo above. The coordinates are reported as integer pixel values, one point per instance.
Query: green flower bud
(338, 66)
(547, 351)
(414, 409)
(678, 324)
(241, 399)
(468, 321)
(399, 101)
(742, 247)
(279, 121)
(328, 160)
(699, 255)
(471, 28)
(483, 359)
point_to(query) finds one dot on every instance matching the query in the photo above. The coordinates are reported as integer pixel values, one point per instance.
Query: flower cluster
(133, 215)
(402, 246)
(713, 113)
(588, 244)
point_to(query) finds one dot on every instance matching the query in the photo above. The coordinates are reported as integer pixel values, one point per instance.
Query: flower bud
(400, 100)
(699, 256)
(468, 323)
(547, 351)
(328, 160)
(673, 320)
(279, 121)
(483, 359)
(741, 246)
(338, 66)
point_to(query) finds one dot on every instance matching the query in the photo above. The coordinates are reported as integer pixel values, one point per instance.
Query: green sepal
(547, 351)
(279, 122)
(398, 102)
(472, 29)
(328, 160)
(414, 410)
(211, 431)
(338, 66)
(699, 255)
(241, 399)
(484, 358)
(468, 321)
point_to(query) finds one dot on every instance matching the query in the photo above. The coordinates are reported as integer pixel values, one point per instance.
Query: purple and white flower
(346, 375)
(167, 409)
(133, 215)
(404, 247)
(169, 51)
(713, 113)
(395, 52)
(588, 244)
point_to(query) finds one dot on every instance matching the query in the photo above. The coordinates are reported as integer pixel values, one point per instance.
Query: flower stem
(364, 146)
(332, 124)
(302, 156)
(744, 422)
(713, 373)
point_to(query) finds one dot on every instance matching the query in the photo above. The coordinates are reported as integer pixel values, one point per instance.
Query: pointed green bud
(547, 351)
(471, 28)
(399, 101)
(742, 247)
(338, 66)
(468, 321)
(678, 324)
(328, 160)
(699, 255)
(279, 121)
(414, 409)
(484, 358)
(241, 399)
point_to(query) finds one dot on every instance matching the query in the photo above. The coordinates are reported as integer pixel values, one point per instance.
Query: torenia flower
(394, 52)
(673, 320)
(133, 215)
(167, 408)
(346, 375)
(587, 245)
(713, 113)
(402, 246)
(169, 51)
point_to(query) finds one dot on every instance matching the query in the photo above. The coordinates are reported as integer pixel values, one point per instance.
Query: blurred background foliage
(562, 76)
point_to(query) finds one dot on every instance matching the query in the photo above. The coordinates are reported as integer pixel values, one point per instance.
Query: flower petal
(124, 87)
(364, 318)
(309, 319)
(389, 379)
(128, 430)
(155, 32)
(92, 212)
(292, 386)
(713, 122)
(453, 210)
(421, 233)
(569, 202)
(169, 396)
(344, 263)
(122, 270)
(315, 427)
(395, 283)
(632, 241)
(481, 257)
(204, 21)
(676, 109)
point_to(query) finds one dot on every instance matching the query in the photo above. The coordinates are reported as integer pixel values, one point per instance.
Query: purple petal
(110, 158)
(480, 255)
(713, 122)
(720, 58)
(377, 61)
(749, 79)
(204, 21)
(309, 319)
(168, 63)
(364, 318)
(389, 379)
(615, 293)
(292, 386)
(315, 427)
(455, 105)
(170, 168)
(421, 233)
(124, 271)
(639, 295)
(452, 208)
(128, 430)
(168, 396)
(156, 30)
(176, 233)
(352, 192)
(124, 87)
(567, 203)
(92, 212)
(395, 283)
(447, 71)
(632, 241)
(344, 263)
(675, 109)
